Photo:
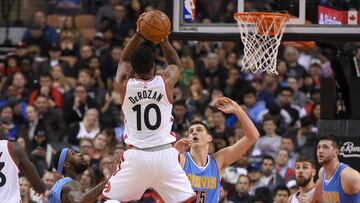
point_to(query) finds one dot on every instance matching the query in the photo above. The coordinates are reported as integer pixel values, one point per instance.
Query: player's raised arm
(124, 67)
(123, 72)
(172, 73)
(130, 48)
(28, 168)
(229, 155)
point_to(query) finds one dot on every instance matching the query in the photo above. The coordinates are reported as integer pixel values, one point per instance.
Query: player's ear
(66, 164)
(210, 138)
(337, 151)
(313, 172)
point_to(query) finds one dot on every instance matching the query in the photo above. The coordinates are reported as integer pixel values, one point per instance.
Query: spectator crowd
(58, 89)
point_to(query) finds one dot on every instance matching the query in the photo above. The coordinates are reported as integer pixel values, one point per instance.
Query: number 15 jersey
(148, 113)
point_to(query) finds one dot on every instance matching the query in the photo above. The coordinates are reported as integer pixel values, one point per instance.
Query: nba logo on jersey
(189, 10)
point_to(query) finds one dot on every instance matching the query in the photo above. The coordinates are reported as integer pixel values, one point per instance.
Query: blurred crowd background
(57, 89)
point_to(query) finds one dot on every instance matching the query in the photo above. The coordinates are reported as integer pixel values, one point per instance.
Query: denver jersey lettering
(204, 180)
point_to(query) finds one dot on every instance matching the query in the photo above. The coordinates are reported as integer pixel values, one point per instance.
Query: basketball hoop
(261, 34)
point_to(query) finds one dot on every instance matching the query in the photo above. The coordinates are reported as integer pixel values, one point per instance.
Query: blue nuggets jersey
(332, 189)
(55, 193)
(205, 181)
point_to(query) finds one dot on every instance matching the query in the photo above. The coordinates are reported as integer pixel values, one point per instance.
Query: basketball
(154, 26)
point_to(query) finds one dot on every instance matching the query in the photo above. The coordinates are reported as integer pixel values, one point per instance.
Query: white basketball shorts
(159, 170)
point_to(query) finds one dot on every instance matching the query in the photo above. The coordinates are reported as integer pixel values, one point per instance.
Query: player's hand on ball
(162, 40)
(154, 26)
(138, 23)
(226, 105)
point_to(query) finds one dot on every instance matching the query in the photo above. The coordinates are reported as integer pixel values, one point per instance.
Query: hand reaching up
(227, 105)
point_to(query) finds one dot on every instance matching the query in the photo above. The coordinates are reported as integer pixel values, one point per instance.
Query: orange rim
(268, 16)
(268, 19)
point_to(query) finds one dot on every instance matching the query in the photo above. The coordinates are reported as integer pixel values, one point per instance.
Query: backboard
(317, 20)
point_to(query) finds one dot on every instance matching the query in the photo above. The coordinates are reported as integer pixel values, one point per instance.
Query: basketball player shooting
(13, 159)
(337, 181)
(150, 161)
(205, 171)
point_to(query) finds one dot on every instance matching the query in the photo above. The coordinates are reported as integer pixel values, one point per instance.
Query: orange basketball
(154, 26)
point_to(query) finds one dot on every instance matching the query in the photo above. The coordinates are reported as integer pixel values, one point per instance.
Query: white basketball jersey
(148, 113)
(294, 197)
(9, 179)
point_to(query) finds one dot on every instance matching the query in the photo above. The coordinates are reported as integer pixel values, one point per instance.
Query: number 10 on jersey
(145, 116)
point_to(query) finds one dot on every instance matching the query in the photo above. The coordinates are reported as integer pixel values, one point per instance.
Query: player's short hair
(142, 61)
(332, 139)
(306, 159)
(281, 188)
(200, 123)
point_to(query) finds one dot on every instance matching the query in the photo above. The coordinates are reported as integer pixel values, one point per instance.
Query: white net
(261, 35)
